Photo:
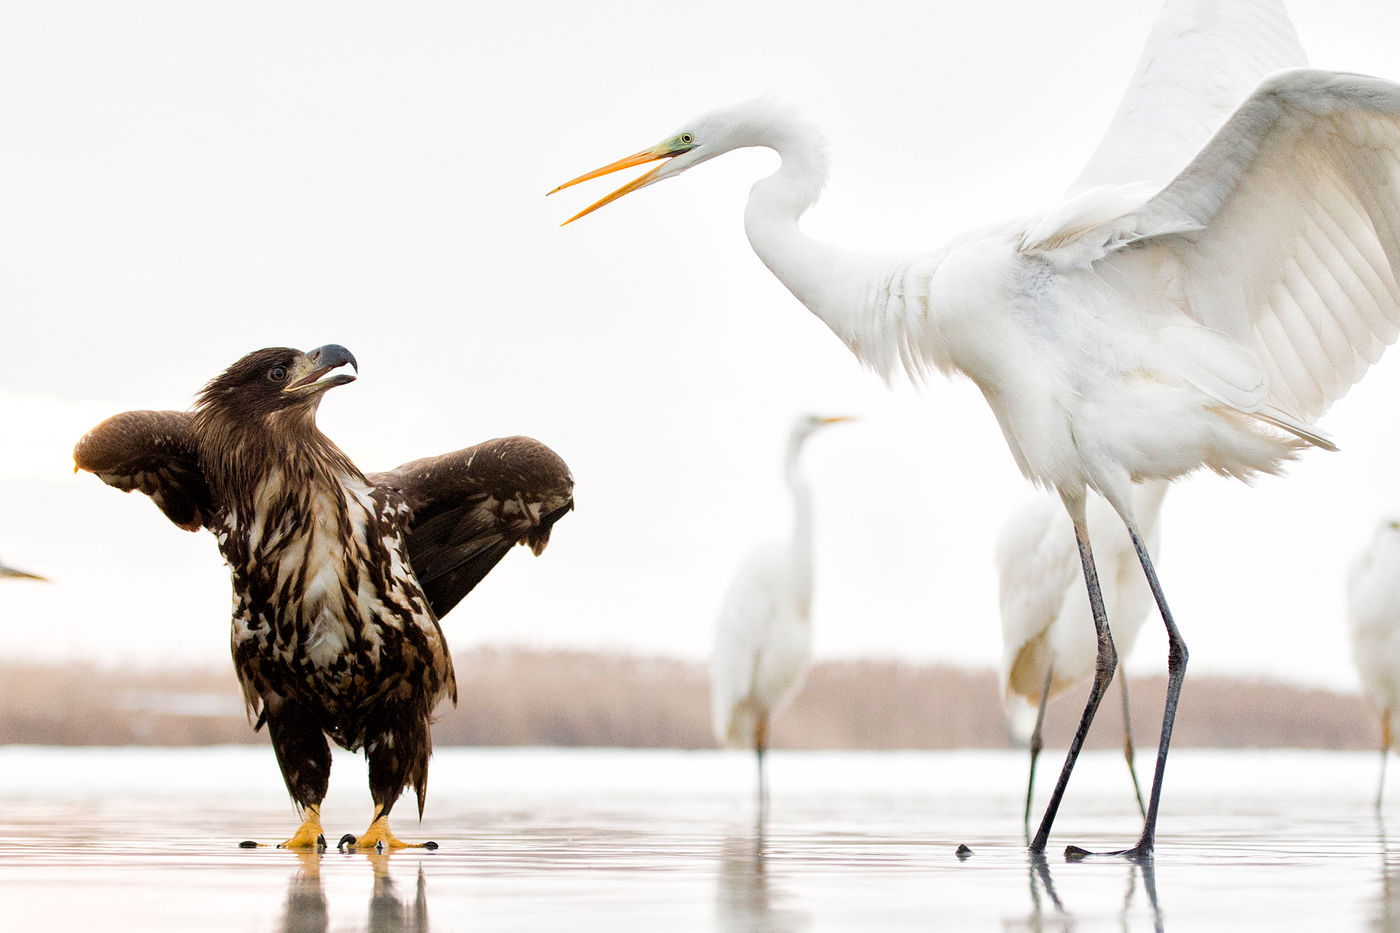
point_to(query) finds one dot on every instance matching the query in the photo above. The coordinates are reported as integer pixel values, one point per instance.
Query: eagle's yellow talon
(308, 834)
(379, 838)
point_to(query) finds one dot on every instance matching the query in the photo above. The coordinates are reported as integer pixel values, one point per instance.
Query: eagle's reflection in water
(305, 909)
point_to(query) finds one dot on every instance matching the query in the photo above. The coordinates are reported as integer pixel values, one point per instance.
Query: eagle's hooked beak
(319, 362)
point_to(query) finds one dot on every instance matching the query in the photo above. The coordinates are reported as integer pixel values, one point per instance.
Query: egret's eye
(277, 374)
(687, 138)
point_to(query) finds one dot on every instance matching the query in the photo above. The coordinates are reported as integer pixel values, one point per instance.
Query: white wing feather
(1202, 60)
(1284, 234)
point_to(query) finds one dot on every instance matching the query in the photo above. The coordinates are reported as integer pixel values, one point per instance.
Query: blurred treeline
(573, 698)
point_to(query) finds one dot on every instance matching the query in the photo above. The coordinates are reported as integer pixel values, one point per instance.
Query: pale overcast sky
(184, 182)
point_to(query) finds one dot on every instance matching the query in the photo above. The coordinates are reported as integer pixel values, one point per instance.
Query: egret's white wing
(1201, 61)
(1284, 234)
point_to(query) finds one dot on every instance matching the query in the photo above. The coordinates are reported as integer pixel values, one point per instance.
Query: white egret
(7, 571)
(763, 641)
(1373, 611)
(1048, 642)
(1193, 303)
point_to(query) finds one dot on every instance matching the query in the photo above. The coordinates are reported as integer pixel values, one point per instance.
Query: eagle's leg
(397, 758)
(309, 834)
(379, 837)
(304, 756)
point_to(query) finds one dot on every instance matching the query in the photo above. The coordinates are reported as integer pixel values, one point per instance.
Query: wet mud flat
(544, 839)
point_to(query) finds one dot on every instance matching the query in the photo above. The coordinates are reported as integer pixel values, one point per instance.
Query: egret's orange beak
(636, 158)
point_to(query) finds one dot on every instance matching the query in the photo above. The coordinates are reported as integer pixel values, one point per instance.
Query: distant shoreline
(511, 696)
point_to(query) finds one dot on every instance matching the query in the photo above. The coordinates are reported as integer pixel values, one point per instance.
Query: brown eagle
(339, 578)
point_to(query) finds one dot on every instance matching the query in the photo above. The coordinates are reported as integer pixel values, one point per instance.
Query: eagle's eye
(277, 374)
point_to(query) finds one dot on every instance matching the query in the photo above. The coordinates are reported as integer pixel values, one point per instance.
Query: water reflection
(1387, 910)
(387, 912)
(1147, 868)
(1048, 911)
(305, 909)
(1043, 885)
(745, 898)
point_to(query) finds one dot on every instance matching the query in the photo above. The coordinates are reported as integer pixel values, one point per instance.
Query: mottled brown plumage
(339, 579)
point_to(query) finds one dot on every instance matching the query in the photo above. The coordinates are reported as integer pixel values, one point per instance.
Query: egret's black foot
(1138, 853)
(963, 852)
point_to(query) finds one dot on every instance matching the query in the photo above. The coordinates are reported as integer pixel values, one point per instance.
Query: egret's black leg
(1385, 754)
(1036, 745)
(1128, 744)
(760, 747)
(1176, 673)
(1104, 666)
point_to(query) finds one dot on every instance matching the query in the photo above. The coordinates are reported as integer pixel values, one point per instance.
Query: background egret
(1373, 614)
(763, 641)
(7, 571)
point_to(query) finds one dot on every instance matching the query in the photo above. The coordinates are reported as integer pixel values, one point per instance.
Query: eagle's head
(277, 381)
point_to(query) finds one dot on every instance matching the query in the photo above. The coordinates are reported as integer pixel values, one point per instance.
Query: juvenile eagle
(339, 578)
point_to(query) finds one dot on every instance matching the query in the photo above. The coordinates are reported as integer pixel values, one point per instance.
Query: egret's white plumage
(1192, 303)
(1373, 611)
(7, 571)
(1047, 625)
(1045, 620)
(763, 640)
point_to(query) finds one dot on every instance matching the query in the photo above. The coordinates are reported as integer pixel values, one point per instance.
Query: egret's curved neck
(848, 290)
(801, 543)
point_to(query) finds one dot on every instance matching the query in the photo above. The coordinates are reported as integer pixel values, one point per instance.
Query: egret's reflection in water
(1050, 913)
(745, 897)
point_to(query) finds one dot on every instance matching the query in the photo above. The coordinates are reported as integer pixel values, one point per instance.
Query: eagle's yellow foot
(308, 834)
(307, 838)
(379, 838)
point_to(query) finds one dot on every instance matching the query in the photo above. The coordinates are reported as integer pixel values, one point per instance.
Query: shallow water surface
(536, 839)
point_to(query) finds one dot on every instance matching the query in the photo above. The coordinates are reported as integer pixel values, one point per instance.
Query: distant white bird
(1195, 302)
(1373, 611)
(1047, 626)
(8, 571)
(763, 641)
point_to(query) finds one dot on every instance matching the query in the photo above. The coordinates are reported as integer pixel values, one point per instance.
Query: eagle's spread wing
(472, 506)
(153, 451)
